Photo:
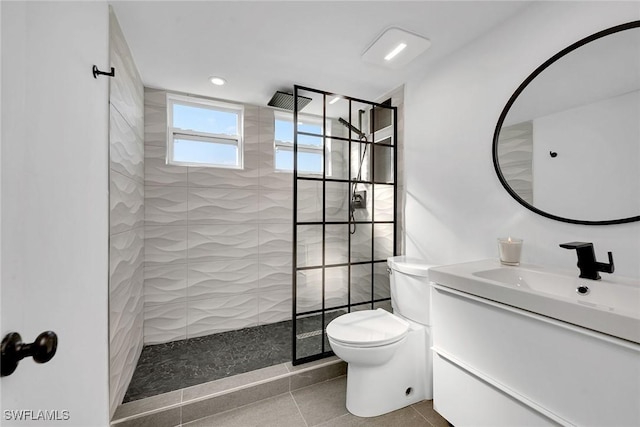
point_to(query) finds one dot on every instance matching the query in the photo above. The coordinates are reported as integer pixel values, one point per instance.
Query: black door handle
(14, 350)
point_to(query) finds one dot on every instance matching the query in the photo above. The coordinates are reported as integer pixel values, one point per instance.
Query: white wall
(455, 206)
(598, 155)
(55, 205)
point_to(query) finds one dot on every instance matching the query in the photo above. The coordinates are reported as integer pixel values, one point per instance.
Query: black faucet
(587, 263)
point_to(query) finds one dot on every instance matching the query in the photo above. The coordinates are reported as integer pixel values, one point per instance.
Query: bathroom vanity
(524, 345)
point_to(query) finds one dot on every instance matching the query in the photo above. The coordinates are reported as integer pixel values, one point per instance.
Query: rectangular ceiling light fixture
(395, 51)
(395, 48)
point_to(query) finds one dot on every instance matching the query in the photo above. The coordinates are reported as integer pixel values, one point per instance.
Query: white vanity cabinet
(498, 365)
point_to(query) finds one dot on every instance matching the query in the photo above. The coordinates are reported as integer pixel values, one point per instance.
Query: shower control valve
(359, 200)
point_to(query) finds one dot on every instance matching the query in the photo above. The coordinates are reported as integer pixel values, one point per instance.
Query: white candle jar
(510, 249)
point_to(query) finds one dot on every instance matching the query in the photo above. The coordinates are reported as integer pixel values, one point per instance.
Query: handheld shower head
(352, 128)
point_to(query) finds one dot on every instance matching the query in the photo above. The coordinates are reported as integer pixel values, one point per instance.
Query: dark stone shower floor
(179, 364)
(185, 363)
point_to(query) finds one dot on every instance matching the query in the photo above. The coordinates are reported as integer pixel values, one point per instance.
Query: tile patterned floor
(321, 404)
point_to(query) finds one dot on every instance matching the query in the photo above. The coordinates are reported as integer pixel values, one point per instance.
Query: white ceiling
(263, 46)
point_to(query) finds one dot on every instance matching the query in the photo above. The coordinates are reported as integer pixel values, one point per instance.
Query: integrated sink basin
(610, 305)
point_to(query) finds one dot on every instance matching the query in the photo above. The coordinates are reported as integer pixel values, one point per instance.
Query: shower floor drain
(309, 334)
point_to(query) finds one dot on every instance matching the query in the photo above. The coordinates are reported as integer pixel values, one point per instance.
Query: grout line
(324, 423)
(320, 382)
(420, 414)
(181, 405)
(298, 408)
(242, 407)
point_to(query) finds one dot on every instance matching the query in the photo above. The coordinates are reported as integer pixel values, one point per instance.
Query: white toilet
(388, 355)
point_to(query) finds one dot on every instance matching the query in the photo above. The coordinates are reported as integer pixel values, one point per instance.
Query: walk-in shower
(308, 223)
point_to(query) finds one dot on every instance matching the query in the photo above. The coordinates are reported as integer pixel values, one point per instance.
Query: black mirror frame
(503, 115)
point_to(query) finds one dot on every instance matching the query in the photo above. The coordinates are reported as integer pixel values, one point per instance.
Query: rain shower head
(285, 101)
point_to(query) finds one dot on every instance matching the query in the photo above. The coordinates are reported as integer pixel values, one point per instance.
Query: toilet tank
(410, 288)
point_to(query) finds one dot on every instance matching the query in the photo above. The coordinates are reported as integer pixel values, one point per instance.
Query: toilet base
(405, 379)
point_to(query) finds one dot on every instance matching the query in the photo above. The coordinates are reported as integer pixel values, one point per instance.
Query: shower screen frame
(323, 349)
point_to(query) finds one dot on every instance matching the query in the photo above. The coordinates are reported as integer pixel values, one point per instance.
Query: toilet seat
(367, 328)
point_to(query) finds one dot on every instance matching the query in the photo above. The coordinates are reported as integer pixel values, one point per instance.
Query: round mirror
(567, 144)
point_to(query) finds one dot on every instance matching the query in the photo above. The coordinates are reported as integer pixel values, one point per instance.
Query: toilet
(388, 355)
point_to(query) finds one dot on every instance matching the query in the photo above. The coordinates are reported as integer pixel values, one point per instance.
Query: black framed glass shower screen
(344, 213)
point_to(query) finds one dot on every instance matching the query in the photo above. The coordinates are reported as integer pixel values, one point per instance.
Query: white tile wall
(164, 322)
(221, 314)
(126, 199)
(218, 241)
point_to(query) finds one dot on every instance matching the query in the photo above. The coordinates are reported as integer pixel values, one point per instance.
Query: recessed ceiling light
(395, 48)
(395, 51)
(218, 81)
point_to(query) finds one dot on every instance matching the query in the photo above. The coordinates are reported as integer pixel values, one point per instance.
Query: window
(310, 149)
(201, 132)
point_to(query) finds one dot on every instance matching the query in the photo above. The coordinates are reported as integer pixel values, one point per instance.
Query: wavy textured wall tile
(157, 172)
(165, 244)
(274, 306)
(382, 241)
(275, 240)
(126, 194)
(383, 202)
(156, 98)
(381, 287)
(336, 286)
(515, 152)
(274, 274)
(126, 255)
(272, 180)
(227, 178)
(337, 201)
(222, 278)
(221, 314)
(308, 290)
(361, 243)
(157, 152)
(126, 148)
(222, 206)
(219, 242)
(126, 90)
(309, 201)
(127, 358)
(309, 245)
(155, 117)
(336, 244)
(126, 199)
(275, 206)
(165, 283)
(165, 322)
(337, 159)
(165, 205)
(360, 283)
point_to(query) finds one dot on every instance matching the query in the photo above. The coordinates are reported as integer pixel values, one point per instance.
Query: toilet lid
(367, 328)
